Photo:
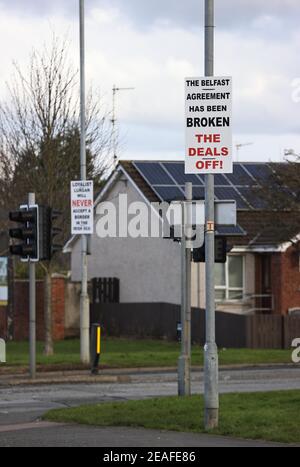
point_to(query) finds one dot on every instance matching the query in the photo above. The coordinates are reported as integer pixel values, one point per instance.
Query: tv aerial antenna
(115, 90)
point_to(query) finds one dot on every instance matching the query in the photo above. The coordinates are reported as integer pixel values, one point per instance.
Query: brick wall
(285, 280)
(287, 290)
(21, 309)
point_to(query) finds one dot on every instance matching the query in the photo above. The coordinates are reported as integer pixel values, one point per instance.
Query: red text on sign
(206, 165)
(208, 152)
(81, 203)
(210, 138)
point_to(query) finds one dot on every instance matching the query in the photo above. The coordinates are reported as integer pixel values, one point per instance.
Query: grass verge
(122, 353)
(269, 416)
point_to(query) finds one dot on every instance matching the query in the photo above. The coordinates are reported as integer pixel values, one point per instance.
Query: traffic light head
(27, 233)
(36, 233)
(25, 214)
(199, 254)
(220, 251)
(48, 232)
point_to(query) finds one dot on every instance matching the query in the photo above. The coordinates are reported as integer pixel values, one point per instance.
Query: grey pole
(32, 309)
(211, 395)
(84, 299)
(184, 362)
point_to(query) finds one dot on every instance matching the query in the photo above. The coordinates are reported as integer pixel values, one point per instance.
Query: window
(229, 279)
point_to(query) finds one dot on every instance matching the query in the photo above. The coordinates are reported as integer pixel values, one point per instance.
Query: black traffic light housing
(27, 233)
(48, 231)
(221, 251)
(36, 233)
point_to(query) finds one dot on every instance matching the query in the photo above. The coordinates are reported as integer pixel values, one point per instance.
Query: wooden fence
(159, 320)
(105, 290)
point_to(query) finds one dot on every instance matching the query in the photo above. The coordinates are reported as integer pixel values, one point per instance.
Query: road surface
(21, 407)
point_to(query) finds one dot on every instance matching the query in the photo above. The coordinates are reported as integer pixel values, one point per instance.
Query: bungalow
(261, 275)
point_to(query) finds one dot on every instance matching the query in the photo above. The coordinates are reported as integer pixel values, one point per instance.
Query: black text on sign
(208, 109)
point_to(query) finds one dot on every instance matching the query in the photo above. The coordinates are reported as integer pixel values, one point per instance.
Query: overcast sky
(153, 45)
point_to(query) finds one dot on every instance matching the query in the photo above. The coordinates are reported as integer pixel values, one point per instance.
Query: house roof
(164, 181)
(167, 180)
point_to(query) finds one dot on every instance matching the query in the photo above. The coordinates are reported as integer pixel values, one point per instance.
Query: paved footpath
(45, 434)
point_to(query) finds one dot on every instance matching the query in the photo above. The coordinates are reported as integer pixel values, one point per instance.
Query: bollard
(2, 351)
(178, 331)
(95, 347)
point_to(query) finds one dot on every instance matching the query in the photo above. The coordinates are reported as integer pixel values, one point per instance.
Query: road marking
(27, 426)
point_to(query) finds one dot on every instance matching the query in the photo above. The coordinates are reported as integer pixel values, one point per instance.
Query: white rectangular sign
(225, 213)
(82, 207)
(208, 109)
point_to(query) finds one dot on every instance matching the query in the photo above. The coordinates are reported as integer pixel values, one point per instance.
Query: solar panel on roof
(221, 180)
(259, 171)
(255, 201)
(177, 172)
(230, 193)
(168, 193)
(230, 231)
(153, 173)
(198, 192)
(239, 176)
(202, 178)
(167, 179)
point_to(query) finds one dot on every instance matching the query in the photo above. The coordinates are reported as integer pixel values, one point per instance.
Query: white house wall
(148, 268)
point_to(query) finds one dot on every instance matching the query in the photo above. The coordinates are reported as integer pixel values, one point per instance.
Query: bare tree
(40, 141)
(279, 193)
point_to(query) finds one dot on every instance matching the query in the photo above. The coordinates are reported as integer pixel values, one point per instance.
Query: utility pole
(114, 119)
(32, 308)
(211, 396)
(84, 298)
(184, 362)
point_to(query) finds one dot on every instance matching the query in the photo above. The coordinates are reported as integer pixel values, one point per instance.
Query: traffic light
(199, 254)
(220, 251)
(36, 232)
(27, 233)
(55, 231)
(48, 231)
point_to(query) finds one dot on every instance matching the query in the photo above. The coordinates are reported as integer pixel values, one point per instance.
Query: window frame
(226, 287)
